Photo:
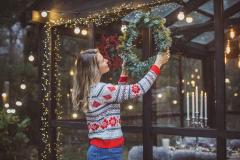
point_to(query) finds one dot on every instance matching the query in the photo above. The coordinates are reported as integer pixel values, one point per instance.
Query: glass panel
(208, 6)
(166, 94)
(204, 38)
(197, 19)
(237, 15)
(69, 47)
(166, 104)
(232, 93)
(179, 148)
(164, 9)
(233, 149)
(74, 144)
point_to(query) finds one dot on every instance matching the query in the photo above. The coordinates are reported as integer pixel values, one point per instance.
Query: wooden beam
(147, 102)
(190, 6)
(205, 13)
(220, 78)
(232, 10)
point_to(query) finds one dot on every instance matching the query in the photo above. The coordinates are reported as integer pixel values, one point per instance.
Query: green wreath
(128, 50)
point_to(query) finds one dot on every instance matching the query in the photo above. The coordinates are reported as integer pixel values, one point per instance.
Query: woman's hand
(162, 58)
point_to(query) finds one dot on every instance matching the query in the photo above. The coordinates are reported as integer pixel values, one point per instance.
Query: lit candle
(188, 106)
(201, 105)
(205, 104)
(196, 93)
(193, 112)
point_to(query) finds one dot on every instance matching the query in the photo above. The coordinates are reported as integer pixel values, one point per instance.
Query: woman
(101, 101)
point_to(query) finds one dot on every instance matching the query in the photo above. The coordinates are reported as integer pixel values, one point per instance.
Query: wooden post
(147, 102)
(220, 78)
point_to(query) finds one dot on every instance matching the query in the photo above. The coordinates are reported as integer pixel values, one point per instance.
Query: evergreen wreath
(127, 48)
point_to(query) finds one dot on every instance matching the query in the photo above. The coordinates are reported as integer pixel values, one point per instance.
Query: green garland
(162, 40)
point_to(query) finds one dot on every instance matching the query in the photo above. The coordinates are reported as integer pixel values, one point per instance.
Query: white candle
(201, 105)
(193, 107)
(205, 104)
(196, 93)
(188, 106)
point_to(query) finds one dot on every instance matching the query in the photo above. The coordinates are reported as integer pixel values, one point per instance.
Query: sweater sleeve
(118, 93)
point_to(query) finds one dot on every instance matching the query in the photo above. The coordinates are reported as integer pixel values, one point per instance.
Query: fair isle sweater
(103, 115)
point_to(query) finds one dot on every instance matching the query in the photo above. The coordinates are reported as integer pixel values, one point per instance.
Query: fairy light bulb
(228, 49)
(84, 32)
(130, 107)
(6, 105)
(71, 72)
(181, 16)
(225, 59)
(19, 103)
(189, 19)
(123, 28)
(44, 14)
(232, 33)
(31, 58)
(239, 61)
(4, 95)
(74, 115)
(23, 86)
(77, 30)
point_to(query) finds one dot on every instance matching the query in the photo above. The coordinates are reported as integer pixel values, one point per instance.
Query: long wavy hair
(86, 72)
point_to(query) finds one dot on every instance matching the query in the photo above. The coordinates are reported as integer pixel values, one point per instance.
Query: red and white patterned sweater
(103, 115)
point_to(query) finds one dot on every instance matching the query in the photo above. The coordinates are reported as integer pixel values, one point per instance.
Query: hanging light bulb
(189, 19)
(232, 33)
(74, 115)
(19, 103)
(238, 61)
(225, 59)
(77, 30)
(6, 105)
(181, 16)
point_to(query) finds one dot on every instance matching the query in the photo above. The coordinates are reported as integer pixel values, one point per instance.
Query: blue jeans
(95, 153)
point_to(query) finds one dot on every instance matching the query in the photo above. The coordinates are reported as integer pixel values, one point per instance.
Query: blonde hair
(86, 72)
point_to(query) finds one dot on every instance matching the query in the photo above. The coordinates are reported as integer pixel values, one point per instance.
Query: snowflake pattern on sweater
(103, 116)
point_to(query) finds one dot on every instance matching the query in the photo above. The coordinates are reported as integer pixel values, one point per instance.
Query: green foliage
(12, 135)
(128, 50)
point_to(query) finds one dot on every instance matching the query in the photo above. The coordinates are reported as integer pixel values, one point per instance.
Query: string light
(123, 28)
(71, 72)
(198, 77)
(227, 80)
(19, 103)
(183, 81)
(192, 76)
(228, 49)
(181, 16)
(31, 58)
(159, 95)
(189, 19)
(11, 111)
(77, 30)
(196, 70)
(23, 86)
(235, 94)
(101, 18)
(4, 95)
(6, 105)
(44, 14)
(238, 61)
(130, 107)
(74, 115)
(232, 33)
(175, 102)
(84, 32)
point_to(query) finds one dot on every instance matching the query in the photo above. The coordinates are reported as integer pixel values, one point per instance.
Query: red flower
(104, 124)
(113, 121)
(136, 88)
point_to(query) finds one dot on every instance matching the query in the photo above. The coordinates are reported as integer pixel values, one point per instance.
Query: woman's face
(102, 63)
